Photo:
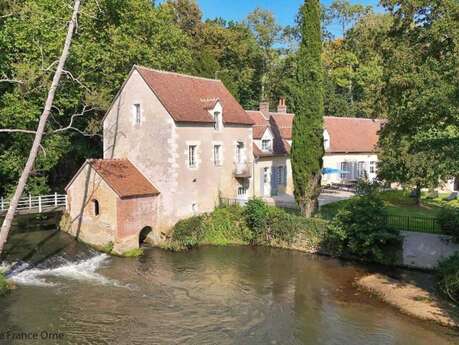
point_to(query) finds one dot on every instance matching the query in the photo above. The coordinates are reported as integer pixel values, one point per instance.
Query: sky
(284, 10)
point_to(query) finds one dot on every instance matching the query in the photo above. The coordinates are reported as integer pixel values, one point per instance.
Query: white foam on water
(83, 271)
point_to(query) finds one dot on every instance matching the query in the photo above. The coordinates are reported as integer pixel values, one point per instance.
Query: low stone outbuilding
(112, 203)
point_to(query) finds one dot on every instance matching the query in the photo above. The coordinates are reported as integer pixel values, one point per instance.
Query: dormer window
(137, 113)
(218, 120)
(266, 145)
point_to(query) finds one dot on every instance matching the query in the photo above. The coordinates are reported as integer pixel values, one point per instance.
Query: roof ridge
(352, 118)
(176, 73)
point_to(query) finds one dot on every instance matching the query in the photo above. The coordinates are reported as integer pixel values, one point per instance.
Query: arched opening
(144, 234)
(96, 207)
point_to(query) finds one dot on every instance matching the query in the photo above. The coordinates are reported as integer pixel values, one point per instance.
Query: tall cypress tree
(308, 102)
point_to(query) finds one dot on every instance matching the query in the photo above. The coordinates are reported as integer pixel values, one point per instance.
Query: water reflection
(213, 295)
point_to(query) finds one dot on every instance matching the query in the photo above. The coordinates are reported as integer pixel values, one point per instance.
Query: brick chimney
(282, 108)
(264, 108)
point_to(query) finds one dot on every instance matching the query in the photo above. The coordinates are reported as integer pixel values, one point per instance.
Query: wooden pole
(6, 226)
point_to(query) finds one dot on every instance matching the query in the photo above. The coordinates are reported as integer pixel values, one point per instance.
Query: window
(138, 117)
(192, 156)
(239, 148)
(345, 170)
(372, 167)
(217, 155)
(266, 145)
(96, 207)
(217, 119)
(361, 172)
(265, 175)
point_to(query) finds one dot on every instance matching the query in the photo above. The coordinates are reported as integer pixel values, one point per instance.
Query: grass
(4, 286)
(399, 203)
(133, 253)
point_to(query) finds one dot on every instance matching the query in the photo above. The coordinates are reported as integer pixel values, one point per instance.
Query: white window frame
(265, 175)
(267, 145)
(372, 167)
(192, 156)
(217, 154)
(137, 114)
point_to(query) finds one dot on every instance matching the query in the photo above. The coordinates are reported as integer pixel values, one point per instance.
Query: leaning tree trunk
(40, 130)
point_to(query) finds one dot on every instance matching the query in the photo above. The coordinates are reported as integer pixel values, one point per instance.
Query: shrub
(256, 215)
(360, 229)
(189, 232)
(448, 219)
(448, 275)
(226, 225)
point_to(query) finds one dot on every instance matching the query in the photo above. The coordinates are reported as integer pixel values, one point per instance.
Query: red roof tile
(186, 98)
(123, 177)
(260, 123)
(284, 123)
(348, 134)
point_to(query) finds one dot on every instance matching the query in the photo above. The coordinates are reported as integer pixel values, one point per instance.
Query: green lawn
(399, 203)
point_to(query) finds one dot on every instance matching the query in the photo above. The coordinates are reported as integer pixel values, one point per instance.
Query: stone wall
(422, 250)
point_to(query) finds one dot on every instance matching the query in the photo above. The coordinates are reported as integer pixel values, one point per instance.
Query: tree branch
(11, 130)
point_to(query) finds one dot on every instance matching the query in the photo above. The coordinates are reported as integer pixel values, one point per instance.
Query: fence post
(66, 203)
(39, 204)
(2, 203)
(30, 201)
(55, 199)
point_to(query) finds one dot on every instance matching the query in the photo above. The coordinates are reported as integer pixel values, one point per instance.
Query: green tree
(422, 88)
(307, 94)
(346, 13)
(267, 33)
(112, 36)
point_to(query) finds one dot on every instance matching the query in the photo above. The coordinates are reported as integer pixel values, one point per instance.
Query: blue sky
(284, 10)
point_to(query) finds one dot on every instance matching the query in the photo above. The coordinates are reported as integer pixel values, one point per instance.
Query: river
(211, 295)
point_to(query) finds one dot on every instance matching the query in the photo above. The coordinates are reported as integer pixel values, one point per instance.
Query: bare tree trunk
(40, 130)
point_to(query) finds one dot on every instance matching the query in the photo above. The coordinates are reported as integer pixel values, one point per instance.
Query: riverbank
(410, 299)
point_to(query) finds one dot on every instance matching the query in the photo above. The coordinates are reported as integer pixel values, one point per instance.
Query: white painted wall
(334, 161)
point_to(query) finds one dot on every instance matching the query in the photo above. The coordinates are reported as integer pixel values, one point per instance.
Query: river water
(211, 295)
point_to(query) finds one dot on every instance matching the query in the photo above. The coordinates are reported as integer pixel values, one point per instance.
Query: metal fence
(410, 223)
(36, 204)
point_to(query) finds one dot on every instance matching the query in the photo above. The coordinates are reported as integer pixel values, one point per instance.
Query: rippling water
(212, 295)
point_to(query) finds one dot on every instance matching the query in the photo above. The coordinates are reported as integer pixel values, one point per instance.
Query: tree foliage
(419, 144)
(307, 95)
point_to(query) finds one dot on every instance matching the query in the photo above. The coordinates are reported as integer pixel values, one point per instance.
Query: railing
(37, 204)
(410, 223)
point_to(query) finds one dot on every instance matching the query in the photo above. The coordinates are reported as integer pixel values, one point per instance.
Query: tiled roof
(188, 98)
(123, 177)
(349, 134)
(260, 123)
(284, 123)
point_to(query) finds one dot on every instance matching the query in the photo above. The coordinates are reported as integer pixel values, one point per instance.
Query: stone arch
(143, 234)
